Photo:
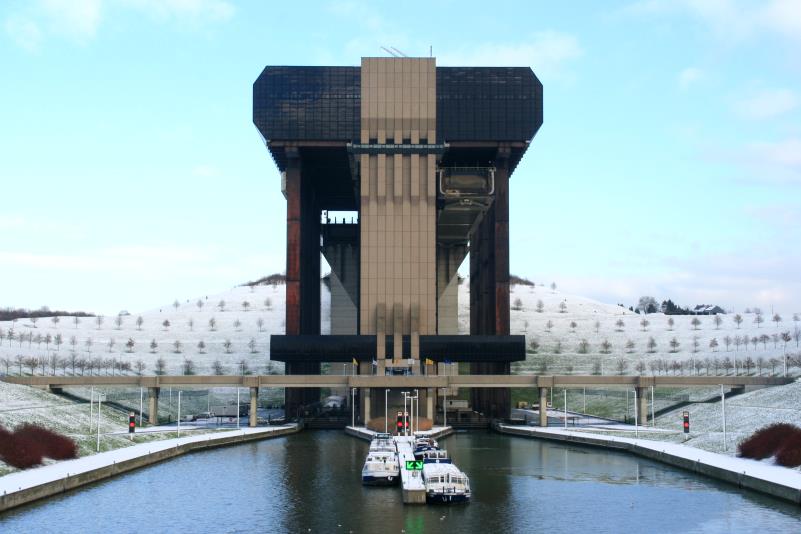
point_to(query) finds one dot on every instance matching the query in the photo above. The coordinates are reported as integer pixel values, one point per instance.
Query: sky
(668, 164)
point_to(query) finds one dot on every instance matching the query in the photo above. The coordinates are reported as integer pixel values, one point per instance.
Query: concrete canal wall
(772, 480)
(30, 485)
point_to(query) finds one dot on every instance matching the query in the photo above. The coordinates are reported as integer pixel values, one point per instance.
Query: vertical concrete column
(293, 242)
(254, 404)
(430, 404)
(366, 399)
(543, 406)
(642, 406)
(153, 405)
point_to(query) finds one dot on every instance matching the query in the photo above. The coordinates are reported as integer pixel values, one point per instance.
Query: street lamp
(405, 413)
(416, 418)
(179, 411)
(444, 407)
(386, 413)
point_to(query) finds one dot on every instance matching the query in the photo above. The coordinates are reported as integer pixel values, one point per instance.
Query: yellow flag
(355, 362)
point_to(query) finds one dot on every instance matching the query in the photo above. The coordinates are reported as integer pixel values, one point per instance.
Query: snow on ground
(243, 309)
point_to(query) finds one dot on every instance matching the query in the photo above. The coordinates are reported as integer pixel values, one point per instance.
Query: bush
(55, 445)
(789, 454)
(28, 444)
(767, 441)
(21, 453)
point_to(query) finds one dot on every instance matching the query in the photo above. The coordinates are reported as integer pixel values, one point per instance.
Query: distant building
(707, 309)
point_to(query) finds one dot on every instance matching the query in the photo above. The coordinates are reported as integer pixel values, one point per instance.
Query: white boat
(383, 442)
(444, 483)
(381, 468)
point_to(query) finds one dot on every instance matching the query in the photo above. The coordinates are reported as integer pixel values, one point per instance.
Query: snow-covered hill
(235, 326)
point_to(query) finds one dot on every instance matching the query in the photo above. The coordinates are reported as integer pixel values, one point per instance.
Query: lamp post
(386, 413)
(444, 407)
(179, 412)
(141, 400)
(723, 407)
(99, 403)
(237, 405)
(417, 410)
(405, 413)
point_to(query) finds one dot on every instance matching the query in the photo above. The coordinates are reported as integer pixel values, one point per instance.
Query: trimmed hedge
(29, 444)
(781, 440)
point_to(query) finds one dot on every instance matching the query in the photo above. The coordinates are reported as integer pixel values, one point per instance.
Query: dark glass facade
(324, 103)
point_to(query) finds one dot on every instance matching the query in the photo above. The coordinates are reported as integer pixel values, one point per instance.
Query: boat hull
(372, 480)
(446, 498)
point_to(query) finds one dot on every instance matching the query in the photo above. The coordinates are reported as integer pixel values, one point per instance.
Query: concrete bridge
(378, 382)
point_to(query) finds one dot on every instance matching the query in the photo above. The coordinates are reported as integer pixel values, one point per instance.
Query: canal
(309, 482)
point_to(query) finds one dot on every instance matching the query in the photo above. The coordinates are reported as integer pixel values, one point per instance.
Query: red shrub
(19, 452)
(789, 454)
(55, 445)
(765, 442)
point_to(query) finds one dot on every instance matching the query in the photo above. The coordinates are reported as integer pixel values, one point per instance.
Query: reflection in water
(310, 483)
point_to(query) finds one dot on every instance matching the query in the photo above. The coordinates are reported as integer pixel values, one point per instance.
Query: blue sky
(669, 163)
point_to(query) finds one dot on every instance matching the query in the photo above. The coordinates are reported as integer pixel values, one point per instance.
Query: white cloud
(782, 154)
(24, 31)
(78, 19)
(731, 19)
(192, 11)
(688, 77)
(547, 52)
(767, 103)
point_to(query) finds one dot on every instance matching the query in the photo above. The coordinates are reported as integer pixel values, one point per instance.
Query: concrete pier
(414, 490)
(153, 405)
(254, 404)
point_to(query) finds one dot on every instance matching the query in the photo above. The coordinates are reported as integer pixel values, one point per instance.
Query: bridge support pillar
(254, 404)
(543, 406)
(642, 406)
(430, 392)
(153, 405)
(365, 394)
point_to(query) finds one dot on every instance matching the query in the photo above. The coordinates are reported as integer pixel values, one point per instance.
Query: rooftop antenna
(430, 51)
(390, 52)
(398, 51)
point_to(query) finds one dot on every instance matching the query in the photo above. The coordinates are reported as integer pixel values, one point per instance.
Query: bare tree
(139, 322)
(118, 322)
(188, 367)
(606, 347)
(73, 342)
(738, 320)
(99, 321)
(639, 367)
(33, 321)
(622, 365)
(674, 345)
(244, 369)
(651, 345)
(237, 325)
(218, 368)
(166, 324)
(260, 324)
(540, 306)
(140, 367)
(245, 305)
(758, 319)
(563, 307)
(620, 325)
(754, 341)
(718, 321)
(58, 340)
(644, 324)
(726, 364)
(227, 345)
(129, 345)
(583, 346)
(696, 322)
(630, 346)
(696, 344)
(713, 344)
(573, 326)
(252, 345)
(153, 346)
(221, 305)
(75, 321)
(176, 304)
(161, 366)
(548, 325)
(201, 347)
(557, 349)
(199, 304)
(212, 324)
(177, 346)
(777, 319)
(191, 324)
(517, 305)
(55, 320)
(268, 303)
(553, 287)
(670, 323)
(534, 345)
(110, 343)
(597, 326)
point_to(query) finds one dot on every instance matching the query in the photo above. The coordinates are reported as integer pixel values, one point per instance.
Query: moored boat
(445, 483)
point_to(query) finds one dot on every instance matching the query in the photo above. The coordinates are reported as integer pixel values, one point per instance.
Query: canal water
(310, 482)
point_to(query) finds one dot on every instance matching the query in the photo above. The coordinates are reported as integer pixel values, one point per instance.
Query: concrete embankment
(772, 480)
(30, 485)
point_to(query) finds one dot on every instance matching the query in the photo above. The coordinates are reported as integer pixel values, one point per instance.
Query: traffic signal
(686, 422)
(131, 423)
(399, 424)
